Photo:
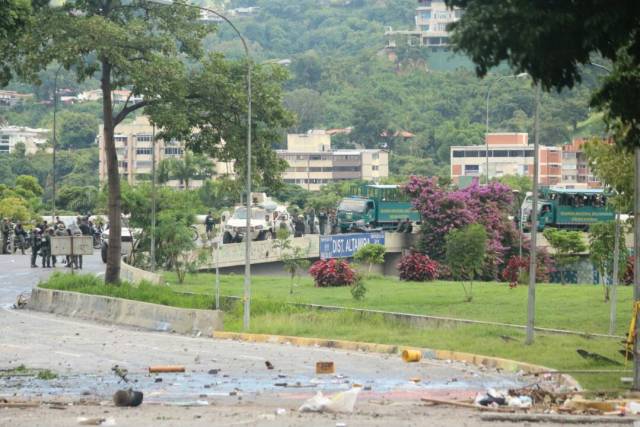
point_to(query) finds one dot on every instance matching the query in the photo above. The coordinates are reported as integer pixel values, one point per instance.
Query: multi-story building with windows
(32, 139)
(576, 172)
(135, 148)
(313, 163)
(431, 20)
(509, 154)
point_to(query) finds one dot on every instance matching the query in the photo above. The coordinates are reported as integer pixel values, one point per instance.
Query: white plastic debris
(522, 402)
(281, 411)
(633, 407)
(341, 402)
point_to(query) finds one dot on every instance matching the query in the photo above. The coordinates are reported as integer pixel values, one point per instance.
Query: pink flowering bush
(443, 210)
(332, 272)
(417, 267)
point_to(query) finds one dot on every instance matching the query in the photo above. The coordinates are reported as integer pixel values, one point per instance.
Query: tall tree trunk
(112, 274)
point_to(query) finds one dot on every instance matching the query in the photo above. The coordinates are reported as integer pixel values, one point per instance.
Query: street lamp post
(247, 254)
(55, 146)
(531, 297)
(486, 140)
(616, 257)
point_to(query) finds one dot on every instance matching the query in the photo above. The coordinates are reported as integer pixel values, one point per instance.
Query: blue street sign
(345, 245)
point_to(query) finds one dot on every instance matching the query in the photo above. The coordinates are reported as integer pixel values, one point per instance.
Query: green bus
(375, 206)
(567, 208)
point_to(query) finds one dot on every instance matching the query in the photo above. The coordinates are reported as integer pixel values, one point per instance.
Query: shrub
(371, 253)
(418, 267)
(358, 289)
(332, 272)
(513, 271)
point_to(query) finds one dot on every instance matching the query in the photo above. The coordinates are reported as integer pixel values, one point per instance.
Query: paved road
(82, 354)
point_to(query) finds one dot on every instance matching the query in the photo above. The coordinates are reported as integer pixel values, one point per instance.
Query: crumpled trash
(341, 402)
(491, 398)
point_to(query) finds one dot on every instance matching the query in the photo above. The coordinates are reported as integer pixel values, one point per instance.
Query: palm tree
(190, 167)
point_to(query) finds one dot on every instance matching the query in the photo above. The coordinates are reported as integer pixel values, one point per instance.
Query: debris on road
(127, 398)
(341, 402)
(164, 369)
(6, 404)
(411, 355)
(213, 371)
(22, 301)
(325, 368)
(120, 373)
(281, 411)
(84, 421)
(268, 364)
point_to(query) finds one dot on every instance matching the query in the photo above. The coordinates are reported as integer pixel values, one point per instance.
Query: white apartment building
(431, 20)
(32, 139)
(313, 163)
(134, 146)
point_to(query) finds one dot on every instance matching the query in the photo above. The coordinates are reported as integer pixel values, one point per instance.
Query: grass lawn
(572, 307)
(577, 307)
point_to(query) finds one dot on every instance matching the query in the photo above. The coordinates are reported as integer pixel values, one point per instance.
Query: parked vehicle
(261, 225)
(375, 207)
(567, 208)
(127, 237)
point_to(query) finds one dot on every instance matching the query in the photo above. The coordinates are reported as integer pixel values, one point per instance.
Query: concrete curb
(474, 359)
(126, 312)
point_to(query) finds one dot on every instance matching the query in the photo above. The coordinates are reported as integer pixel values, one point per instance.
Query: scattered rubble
(166, 369)
(341, 402)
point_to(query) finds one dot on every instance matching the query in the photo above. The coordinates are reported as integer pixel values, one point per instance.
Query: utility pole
(531, 300)
(152, 250)
(55, 146)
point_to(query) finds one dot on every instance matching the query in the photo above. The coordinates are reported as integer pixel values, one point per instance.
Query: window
(315, 169)
(173, 151)
(143, 164)
(375, 156)
(471, 154)
(123, 165)
(375, 167)
(471, 169)
(143, 151)
(500, 153)
(528, 153)
(144, 138)
(4, 139)
(315, 157)
(346, 169)
(425, 28)
(120, 139)
(516, 153)
(4, 148)
(458, 154)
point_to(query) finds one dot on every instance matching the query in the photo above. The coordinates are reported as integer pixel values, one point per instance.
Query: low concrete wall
(126, 312)
(135, 275)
